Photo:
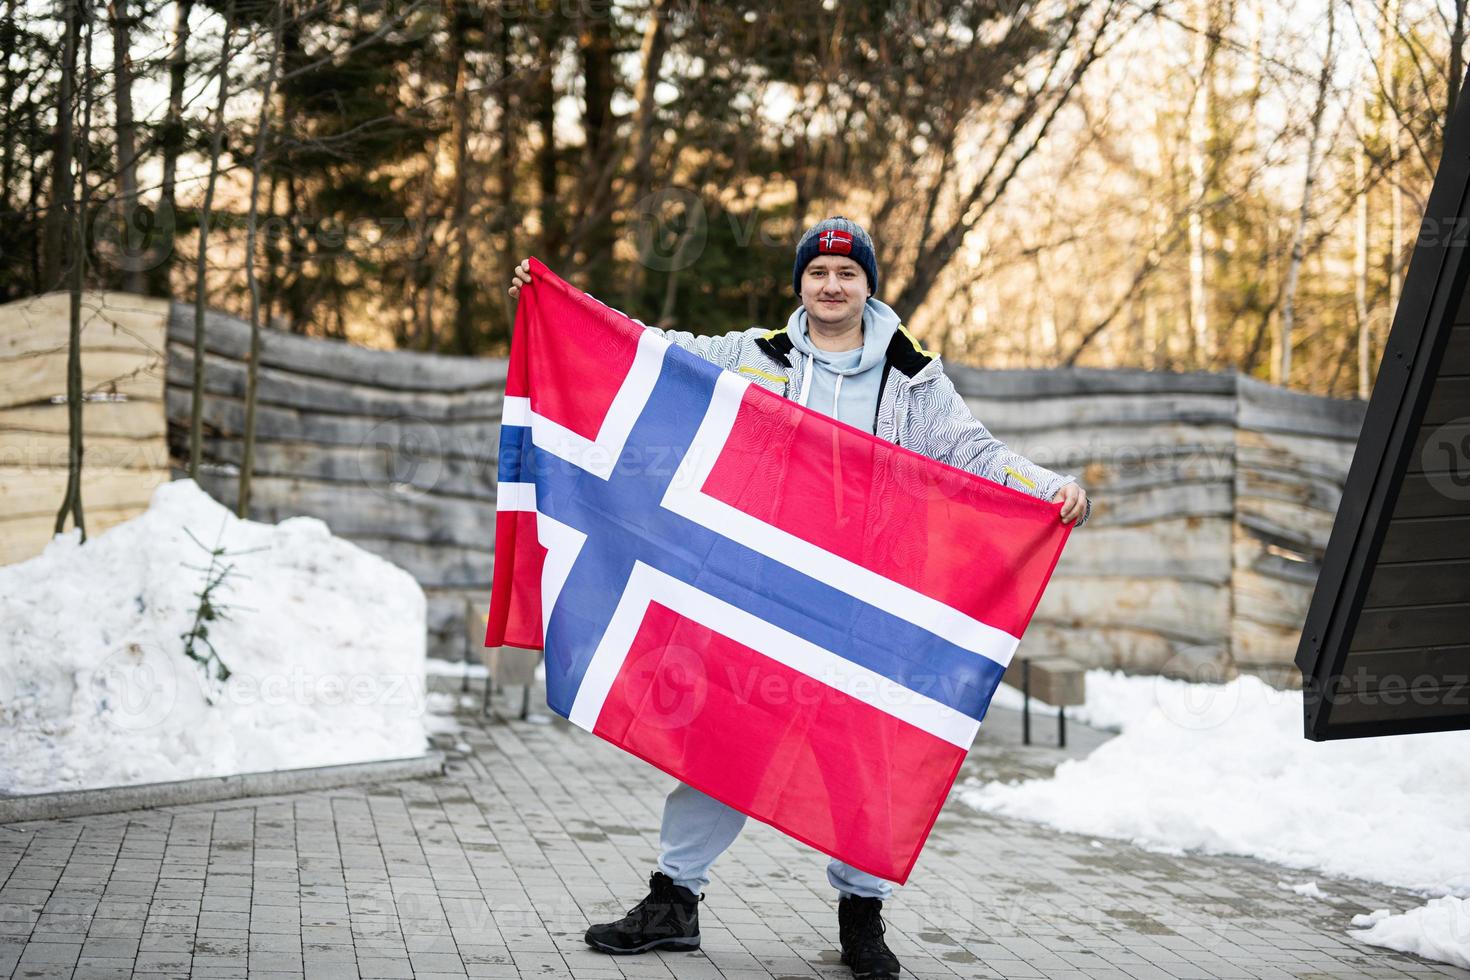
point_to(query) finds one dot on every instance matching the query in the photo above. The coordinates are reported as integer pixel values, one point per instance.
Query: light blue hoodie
(845, 384)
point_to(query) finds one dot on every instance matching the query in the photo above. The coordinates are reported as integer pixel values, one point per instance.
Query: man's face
(833, 289)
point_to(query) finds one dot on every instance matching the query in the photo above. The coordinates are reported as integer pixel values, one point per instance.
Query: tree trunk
(1199, 138)
(508, 147)
(464, 286)
(127, 159)
(72, 503)
(1394, 138)
(252, 370)
(1457, 61)
(173, 145)
(594, 225)
(8, 127)
(651, 55)
(1298, 242)
(201, 266)
(59, 213)
(1360, 250)
(546, 156)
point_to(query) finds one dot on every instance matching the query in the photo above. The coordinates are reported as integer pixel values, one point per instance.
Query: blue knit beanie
(836, 236)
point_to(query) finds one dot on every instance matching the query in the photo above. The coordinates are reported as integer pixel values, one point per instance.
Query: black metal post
(1061, 727)
(1026, 702)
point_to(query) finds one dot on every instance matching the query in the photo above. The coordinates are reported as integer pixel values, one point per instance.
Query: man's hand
(1074, 502)
(521, 278)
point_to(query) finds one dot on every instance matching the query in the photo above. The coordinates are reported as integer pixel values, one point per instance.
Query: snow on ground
(1224, 769)
(449, 668)
(325, 642)
(1439, 930)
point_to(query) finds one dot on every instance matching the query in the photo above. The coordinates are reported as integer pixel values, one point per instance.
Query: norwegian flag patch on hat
(835, 242)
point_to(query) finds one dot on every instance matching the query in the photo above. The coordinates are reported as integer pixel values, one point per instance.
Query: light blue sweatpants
(697, 829)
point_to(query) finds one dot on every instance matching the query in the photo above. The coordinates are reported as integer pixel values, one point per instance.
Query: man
(843, 353)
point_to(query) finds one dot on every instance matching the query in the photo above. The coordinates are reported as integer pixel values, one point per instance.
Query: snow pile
(324, 641)
(1437, 931)
(1224, 769)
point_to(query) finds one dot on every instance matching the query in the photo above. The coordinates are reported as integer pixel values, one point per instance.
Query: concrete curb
(84, 802)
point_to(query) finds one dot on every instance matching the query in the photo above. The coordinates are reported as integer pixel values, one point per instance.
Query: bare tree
(1314, 133)
(71, 504)
(201, 267)
(1206, 44)
(262, 144)
(62, 180)
(1360, 247)
(121, 23)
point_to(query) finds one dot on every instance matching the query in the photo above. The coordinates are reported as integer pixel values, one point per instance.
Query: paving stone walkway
(495, 870)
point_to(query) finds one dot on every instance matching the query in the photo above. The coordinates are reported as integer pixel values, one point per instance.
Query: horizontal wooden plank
(130, 419)
(1191, 611)
(1159, 503)
(1379, 706)
(1426, 539)
(402, 370)
(366, 512)
(380, 463)
(435, 566)
(1457, 352)
(1143, 471)
(1442, 448)
(1416, 584)
(1195, 549)
(1062, 382)
(1121, 445)
(1123, 648)
(225, 417)
(41, 377)
(289, 389)
(1297, 528)
(1433, 495)
(1258, 491)
(52, 449)
(37, 491)
(1316, 456)
(1412, 626)
(1449, 401)
(1368, 670)
(110, 321)
(1270, 408)
(1094, 411)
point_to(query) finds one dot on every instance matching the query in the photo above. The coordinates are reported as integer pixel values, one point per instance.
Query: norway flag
(791, 615)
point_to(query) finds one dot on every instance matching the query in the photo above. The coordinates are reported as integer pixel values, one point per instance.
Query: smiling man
(844, 353)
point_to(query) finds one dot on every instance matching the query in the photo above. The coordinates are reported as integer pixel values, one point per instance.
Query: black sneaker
(860, 928)
(667, 919)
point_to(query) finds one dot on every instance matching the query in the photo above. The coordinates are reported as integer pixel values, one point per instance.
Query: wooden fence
(1214, 496)
(1214, 493)
(394, 451)
(123, 423)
